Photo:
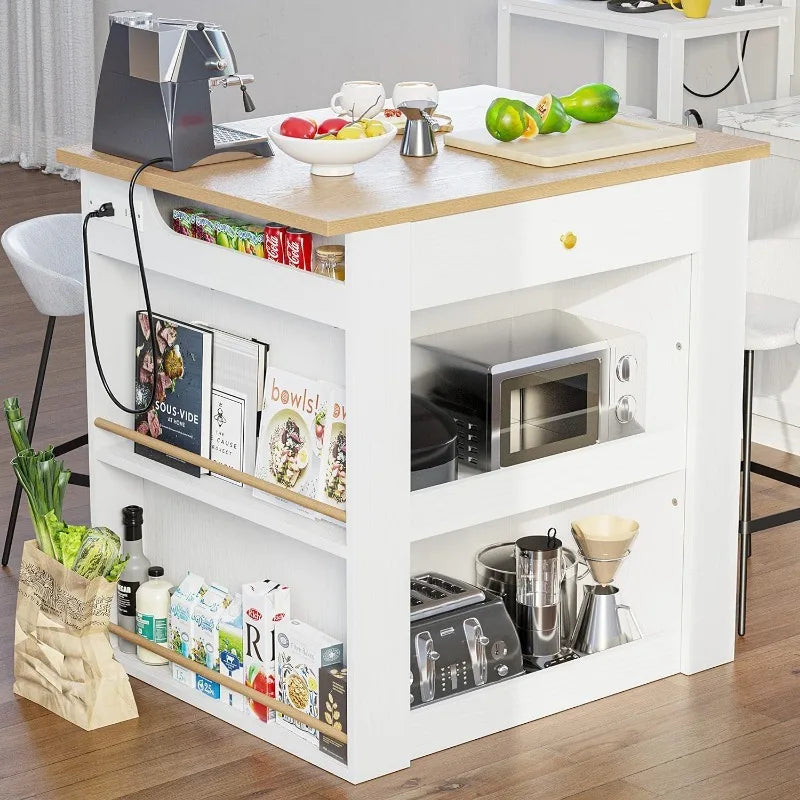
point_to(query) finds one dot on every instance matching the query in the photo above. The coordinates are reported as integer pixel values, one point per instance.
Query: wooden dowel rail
(228, 683)
(221, 469)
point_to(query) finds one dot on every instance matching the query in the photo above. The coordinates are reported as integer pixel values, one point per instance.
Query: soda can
(274, 234)
(297, 249)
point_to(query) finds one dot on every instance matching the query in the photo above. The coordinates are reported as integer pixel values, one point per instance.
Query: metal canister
(496, 572)
(539, 572)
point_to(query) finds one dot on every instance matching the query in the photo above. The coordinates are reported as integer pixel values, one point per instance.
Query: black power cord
(733, 77)
(735, 74)
(107, 210)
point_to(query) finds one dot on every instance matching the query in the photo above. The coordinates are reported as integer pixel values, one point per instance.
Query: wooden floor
(728, 733)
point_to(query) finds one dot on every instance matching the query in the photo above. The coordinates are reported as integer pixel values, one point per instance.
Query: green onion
(16, 424)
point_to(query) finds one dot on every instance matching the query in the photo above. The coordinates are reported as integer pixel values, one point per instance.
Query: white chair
(772, 322)
(47, 254)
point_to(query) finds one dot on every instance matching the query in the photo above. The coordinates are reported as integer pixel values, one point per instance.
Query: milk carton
(263, 605)
(205, 635)
(182, 604)
(301, 652)
(231, 652)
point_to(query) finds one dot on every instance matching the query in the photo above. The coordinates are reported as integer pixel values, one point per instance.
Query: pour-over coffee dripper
(604, 540)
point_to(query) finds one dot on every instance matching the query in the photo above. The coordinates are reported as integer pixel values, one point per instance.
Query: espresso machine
(154, 93)
(604, 540)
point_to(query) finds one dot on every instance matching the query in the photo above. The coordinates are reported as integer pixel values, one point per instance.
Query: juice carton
(302, 651)
(250, 239)
(183, 220)
(333, 708)
(205, 635)
(203, 227)
(231, 651)
(264, 605)
(181, 608)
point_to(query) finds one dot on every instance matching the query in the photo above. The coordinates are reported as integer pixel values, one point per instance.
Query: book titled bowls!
(179, 369)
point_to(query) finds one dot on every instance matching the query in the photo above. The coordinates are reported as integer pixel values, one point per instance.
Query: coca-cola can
(297, 249)
(274, 234)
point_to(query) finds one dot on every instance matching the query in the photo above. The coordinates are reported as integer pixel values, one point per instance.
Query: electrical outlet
(122, 213)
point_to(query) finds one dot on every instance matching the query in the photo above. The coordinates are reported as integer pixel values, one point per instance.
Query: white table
(670, 28)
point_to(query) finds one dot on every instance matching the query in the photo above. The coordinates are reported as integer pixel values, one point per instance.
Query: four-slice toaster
(461, 639)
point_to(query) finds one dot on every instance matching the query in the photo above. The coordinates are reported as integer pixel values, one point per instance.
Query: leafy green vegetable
(116, 569)
(99, 553)
(67, 539)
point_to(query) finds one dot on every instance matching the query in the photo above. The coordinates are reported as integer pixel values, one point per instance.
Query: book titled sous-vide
(180, 370)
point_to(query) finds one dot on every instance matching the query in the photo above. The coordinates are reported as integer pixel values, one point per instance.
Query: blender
(603, 540)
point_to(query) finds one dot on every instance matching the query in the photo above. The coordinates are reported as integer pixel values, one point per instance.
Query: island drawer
(464, 256)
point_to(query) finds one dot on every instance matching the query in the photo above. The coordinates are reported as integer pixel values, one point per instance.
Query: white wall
(301, 50)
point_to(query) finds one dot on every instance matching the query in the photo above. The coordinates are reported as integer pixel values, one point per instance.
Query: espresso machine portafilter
(538, 617)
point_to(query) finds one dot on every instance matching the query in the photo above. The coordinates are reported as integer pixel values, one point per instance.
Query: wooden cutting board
(583, 142)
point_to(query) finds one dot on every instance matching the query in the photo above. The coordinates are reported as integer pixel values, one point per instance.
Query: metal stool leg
(37, 396)
(745, 513)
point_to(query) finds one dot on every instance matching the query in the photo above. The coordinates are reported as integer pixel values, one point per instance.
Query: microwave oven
(534, 385)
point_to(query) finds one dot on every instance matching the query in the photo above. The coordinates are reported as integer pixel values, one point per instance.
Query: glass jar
(329, 261)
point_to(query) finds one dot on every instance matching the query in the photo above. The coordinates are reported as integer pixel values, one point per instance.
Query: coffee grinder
(604, 540)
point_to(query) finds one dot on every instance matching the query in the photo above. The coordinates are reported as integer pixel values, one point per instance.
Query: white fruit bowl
(331, 157)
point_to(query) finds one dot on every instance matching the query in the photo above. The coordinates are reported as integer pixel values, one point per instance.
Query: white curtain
(46, 80)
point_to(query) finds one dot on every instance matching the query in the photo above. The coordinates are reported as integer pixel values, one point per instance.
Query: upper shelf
(236, 500)
(388, 190)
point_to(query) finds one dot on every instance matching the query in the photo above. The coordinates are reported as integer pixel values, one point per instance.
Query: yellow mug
(694, 9)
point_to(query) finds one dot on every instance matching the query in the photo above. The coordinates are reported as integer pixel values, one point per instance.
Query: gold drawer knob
(569, 240)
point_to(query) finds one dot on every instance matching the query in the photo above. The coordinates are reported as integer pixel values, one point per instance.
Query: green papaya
(554, 117)
(508, 120)
(595, 102)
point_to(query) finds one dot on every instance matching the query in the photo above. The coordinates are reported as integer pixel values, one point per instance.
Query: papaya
(554, 117)
(508, 120)
(595, 102)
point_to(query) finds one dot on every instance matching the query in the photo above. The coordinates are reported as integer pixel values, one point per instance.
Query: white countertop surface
(779, 118)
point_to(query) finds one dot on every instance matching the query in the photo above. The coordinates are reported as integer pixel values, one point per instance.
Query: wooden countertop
(389, 189)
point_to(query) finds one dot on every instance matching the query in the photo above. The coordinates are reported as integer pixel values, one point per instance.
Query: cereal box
(263, 606)
(332, 488)
(291, 437)
(205, 635)
(181, 608)
(333, 708)
(301, 652)
(231, 651)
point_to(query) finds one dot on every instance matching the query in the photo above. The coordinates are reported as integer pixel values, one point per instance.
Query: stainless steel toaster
(461, 639)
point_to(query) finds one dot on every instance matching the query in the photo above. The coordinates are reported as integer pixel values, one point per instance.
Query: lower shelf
(161, 678)
(472, 715)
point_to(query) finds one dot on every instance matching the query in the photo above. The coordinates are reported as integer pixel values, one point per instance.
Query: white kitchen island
(434, 244)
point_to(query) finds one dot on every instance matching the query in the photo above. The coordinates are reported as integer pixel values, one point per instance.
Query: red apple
(298, 128)
(332, 125)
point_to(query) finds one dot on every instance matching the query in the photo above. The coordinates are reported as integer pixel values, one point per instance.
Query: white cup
(359, 98)
(414, 90)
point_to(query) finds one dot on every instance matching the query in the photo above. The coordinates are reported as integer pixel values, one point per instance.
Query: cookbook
(180, 369)
(291, 435)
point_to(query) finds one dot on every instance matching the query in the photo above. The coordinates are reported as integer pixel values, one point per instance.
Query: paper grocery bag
(62, 655)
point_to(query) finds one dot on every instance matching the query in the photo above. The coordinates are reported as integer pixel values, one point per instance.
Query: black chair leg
(745, 511)
(37, 396)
